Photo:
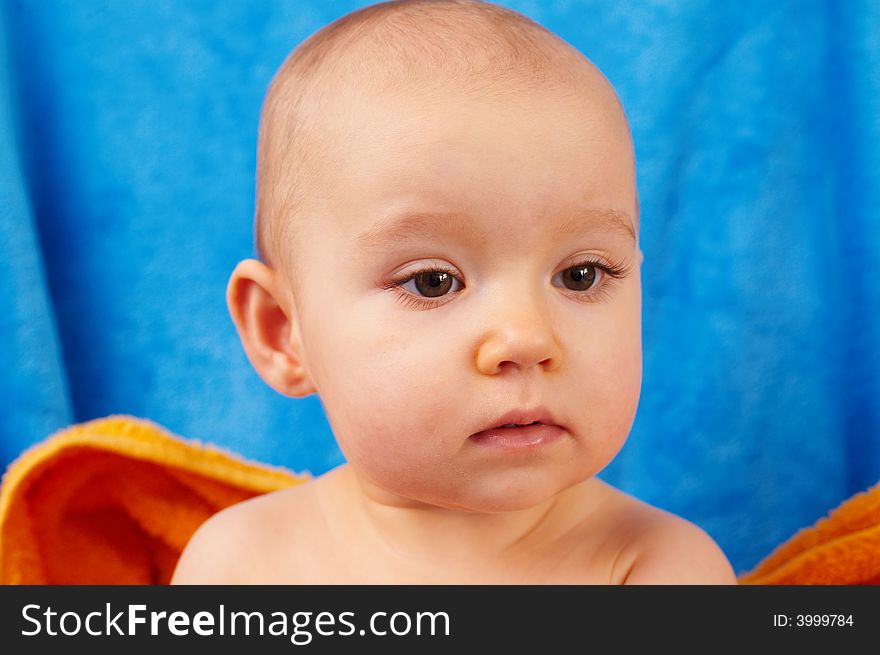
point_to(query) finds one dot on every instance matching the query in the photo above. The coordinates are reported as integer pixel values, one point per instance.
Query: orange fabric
(841, 549)
(114, 501)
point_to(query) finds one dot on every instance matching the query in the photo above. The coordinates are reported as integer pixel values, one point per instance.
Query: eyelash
(611, 272)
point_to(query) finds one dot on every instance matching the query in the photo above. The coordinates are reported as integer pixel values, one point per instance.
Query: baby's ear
(265, 319)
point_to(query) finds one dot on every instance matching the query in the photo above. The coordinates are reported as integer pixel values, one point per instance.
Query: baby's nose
(521, 341)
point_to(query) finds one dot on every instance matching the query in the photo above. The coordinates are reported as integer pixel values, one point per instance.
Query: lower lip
(527, 436)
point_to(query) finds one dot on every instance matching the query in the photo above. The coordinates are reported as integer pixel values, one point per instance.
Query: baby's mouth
(517, 437)
(520, 429)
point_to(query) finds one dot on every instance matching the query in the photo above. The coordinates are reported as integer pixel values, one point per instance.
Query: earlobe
(265, 318)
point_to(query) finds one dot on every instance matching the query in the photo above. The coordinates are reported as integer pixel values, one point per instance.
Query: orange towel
(114, 501)
(841, 549)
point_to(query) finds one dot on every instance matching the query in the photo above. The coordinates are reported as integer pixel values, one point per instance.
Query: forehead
(512, 159)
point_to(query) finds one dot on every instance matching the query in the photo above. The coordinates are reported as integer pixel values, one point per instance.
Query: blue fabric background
(127, 155)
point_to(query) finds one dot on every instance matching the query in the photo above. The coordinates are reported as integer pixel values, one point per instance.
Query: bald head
(404, 46)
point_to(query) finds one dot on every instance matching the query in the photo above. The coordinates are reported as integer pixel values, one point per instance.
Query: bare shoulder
(239, 544)
(657, 547)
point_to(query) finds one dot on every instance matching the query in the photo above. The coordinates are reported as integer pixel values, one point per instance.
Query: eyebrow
(412, 226)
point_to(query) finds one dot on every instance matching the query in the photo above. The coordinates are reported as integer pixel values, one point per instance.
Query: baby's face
(469, 258)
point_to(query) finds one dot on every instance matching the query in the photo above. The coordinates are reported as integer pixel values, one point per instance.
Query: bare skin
(513, 192)
(592, 534)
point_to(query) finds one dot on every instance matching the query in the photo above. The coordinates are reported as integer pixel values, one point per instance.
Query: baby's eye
(432, 284)
(577, 278)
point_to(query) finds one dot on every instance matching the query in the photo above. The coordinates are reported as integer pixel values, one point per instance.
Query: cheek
(611, 366)
(385, 389)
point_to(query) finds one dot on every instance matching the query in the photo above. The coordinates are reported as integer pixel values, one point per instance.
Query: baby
(448, 225)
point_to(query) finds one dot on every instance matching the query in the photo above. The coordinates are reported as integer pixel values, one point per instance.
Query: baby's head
(448, 221)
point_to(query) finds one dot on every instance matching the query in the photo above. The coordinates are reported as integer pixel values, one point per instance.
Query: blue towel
(127, 157)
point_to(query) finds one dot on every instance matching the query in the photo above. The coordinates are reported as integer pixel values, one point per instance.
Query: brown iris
(579, 278)
(433, 283)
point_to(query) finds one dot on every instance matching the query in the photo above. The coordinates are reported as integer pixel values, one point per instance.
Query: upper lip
(524, 417)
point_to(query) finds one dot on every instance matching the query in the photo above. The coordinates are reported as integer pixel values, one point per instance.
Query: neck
(421, 533)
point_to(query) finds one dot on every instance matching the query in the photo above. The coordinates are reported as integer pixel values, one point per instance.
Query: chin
(483, 492)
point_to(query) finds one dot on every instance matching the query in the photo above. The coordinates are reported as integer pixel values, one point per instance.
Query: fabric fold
(114, 501)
